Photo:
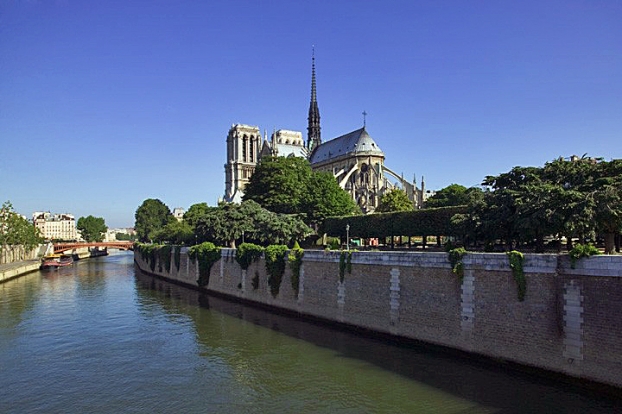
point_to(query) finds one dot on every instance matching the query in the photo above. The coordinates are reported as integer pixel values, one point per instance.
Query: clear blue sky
(105, 104)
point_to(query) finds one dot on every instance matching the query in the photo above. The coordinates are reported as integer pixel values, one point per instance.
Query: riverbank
(569, 321)
(10, 271)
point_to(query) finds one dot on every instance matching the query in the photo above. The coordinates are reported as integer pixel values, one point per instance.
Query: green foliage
(408, 223)
(455, 259)
(287, 185)
(454, 195)
(295, 262)
(248, 253)
(230, 222)
(15, 230)
(152, 215)
(394, 200)
(174, 232)
(345, 264)
(92, 228)
(147, 253)
(582, 250)
(125, 237)
(163, 254)
(177, 256)
(196, 211)
(275, 266)
(516, 264)
(207, 254)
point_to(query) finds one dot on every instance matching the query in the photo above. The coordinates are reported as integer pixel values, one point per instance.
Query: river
(101, 337)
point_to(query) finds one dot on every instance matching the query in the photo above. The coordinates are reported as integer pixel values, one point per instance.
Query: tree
(151, 216)
(15, 230)
(92, 228)
(279, 184)
(175, 232)
(289, 186)
(394, 200)
(195, 212)
(454, 195)
(324, 198)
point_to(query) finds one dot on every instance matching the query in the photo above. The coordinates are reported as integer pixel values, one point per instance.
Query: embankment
(570, 321)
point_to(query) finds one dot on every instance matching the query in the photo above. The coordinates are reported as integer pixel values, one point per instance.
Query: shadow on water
(493, 385)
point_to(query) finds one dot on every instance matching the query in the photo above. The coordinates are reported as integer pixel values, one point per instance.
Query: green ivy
(455, 259)
(177, 257)
(345, 263)
(582, 250)
(248, 253)
(275, 266)
(164, 257)
(516, 264)
(295, 262)
(207, 254)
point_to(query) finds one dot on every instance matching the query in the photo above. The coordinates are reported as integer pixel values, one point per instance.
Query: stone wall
(12, 254)
(570, 321)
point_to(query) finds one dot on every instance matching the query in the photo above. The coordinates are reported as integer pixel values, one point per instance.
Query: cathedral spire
(313, 130)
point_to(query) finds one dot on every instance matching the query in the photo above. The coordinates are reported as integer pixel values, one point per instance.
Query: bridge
(121, 245)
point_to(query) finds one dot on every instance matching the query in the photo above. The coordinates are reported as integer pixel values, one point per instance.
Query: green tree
(195, 212)
(279, 184)
(289, 186)
(324, 198)
(394, 200)
(92, 228)
(454, 195)
(16, 230)
(151, 216)
(175, 232)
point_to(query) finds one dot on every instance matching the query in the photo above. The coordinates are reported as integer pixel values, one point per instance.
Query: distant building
(354, 159)
(55, 226)
(178, 213)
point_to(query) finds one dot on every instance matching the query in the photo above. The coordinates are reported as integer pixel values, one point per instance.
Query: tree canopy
(151, 216)
(454, 195)
(287, 185)
(394, 200)
(92, 228)
(16, 230)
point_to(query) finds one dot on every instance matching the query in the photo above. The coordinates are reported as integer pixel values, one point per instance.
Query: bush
(516, 264)
(295, 262)
(275, 266)
(455, 259)
(582, 250)
(207, 254)
(248, 253)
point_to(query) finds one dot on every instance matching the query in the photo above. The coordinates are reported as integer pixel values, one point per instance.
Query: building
(55, 226)
(354, 159)
(178, 213)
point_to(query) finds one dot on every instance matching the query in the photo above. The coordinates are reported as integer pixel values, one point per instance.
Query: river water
(101, 337)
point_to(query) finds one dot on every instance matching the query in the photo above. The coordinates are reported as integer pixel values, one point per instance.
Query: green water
(100, 337)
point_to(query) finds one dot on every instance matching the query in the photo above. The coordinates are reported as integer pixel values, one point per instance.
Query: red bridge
(121, 245)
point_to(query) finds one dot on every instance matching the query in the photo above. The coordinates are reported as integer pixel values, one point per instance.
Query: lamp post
(347, 237)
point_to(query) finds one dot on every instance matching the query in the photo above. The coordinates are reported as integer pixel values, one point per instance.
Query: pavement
(11, 270)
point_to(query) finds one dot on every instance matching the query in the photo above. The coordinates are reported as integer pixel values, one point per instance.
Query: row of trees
(224, 225)
(578, 198)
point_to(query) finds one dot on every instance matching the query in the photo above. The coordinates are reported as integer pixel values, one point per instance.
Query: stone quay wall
(569, 323)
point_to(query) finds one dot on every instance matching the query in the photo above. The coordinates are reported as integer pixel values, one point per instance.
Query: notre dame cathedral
(354, 159)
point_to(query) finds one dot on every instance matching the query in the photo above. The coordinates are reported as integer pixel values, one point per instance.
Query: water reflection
(431, 377)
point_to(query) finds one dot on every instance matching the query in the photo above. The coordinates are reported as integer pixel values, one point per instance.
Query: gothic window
(252, 150)
(244, 157)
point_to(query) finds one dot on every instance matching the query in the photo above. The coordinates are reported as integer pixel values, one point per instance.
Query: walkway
(11, 270)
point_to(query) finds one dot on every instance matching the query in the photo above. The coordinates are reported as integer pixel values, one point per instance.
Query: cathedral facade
(355, 159)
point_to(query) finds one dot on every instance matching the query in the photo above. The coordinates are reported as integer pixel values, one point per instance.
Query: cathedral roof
(357, 142)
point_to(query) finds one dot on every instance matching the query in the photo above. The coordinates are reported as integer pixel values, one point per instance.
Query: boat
(54, 261)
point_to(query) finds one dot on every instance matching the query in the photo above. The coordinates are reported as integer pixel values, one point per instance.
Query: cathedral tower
(313, 130)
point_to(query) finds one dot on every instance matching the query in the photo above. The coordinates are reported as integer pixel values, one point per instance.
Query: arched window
(244, 146)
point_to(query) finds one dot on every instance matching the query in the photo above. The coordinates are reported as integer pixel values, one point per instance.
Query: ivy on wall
(177, 256)
(455, 259)
(582, 250)
(275, 266)
(163, 254)
(345, 264)
(516, 264)
(248, 253)
(295, 263)
(207, 254)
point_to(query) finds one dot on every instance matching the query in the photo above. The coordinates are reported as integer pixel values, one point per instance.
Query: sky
(106, 104)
